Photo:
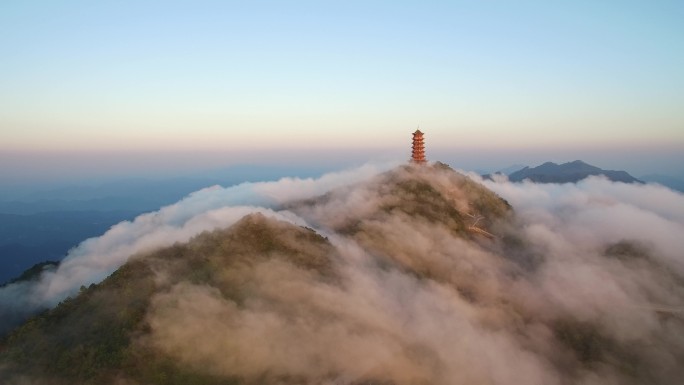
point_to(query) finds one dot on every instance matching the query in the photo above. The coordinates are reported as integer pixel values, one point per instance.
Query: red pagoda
(418, 153)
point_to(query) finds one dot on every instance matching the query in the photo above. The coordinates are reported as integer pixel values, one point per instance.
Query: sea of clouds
(558, 309)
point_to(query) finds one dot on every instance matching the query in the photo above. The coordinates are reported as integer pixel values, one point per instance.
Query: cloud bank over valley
(417, 275)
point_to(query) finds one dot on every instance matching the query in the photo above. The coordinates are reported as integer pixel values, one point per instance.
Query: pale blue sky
(84, 78)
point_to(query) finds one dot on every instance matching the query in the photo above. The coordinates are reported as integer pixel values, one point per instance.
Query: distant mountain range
(570, 172)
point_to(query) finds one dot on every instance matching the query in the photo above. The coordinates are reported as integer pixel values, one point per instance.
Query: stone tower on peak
(418, 153)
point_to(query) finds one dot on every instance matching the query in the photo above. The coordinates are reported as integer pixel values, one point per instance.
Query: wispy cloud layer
(583, 284)
(571, 292)
(205, 210)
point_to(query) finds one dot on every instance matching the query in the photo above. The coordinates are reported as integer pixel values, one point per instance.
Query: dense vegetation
(425, 244)
(90, 339)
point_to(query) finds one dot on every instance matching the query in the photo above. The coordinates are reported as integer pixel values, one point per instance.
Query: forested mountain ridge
(420, 275)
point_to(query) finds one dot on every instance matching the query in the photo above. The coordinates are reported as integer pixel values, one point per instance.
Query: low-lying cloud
(211, 208)
(583, 285)
(595, 298)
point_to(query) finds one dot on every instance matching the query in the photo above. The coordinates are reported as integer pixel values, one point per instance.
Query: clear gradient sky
(84, 83)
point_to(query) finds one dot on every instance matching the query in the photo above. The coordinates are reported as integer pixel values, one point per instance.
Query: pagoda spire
(418, 153)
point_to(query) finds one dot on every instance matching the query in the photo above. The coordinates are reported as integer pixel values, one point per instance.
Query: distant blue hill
(511, 169)
(570, 172)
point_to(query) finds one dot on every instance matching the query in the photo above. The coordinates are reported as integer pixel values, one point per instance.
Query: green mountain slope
(417, 276)
(89, 338)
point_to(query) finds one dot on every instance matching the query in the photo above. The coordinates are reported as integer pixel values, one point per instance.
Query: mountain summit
(570, 172)
(420, 275)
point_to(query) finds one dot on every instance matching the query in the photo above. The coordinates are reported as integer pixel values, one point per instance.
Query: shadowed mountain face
(570, 172)
(416, 276)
